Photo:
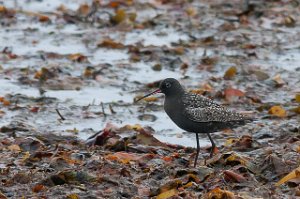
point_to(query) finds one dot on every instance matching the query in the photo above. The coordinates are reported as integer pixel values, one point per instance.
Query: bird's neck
(175, 95)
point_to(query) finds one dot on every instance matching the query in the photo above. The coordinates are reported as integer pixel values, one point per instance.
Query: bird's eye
(168, 85)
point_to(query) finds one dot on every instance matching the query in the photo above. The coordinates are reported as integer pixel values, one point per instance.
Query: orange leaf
(167, 158)
(2, 8)
(179, 50)
(232, 94)
(135, 127)
(249, 46)
(230, 73)
(114, 4)
(277, 111)
(167, 194)
(150, 99)
(14, 147)
(38, 188)
(197, 91)
(83, 9)
(292, 175)
(111, 157)
(44, 18)
(119, 16)
(218, 193)
(72, 196)
(109, 43)
(6, 102)
(34, 109)
(88, 72)
(77, 57)
(38, 75)
(122, 157)
(26, 156)
(297, 97)
(232, 176)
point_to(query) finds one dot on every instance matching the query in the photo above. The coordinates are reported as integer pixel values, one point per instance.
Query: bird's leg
(213, 145)
(198, 150)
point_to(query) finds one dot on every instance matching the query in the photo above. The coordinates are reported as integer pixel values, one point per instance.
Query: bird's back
(196, 113)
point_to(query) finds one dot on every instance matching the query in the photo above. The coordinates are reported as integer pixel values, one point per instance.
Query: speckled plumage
(196, 113)
(202, 109)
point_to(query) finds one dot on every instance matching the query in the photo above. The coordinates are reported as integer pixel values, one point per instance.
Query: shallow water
(29, 39)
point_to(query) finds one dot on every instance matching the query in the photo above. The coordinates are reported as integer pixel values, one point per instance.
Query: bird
(195, 113)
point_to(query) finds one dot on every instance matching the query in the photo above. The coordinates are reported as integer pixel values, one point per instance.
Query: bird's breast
(174, 109)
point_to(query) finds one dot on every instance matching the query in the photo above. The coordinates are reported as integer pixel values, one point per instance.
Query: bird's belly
(175, 111)
(182, 121)
(196, 127)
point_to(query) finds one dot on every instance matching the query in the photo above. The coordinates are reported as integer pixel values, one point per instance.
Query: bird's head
(169, 87)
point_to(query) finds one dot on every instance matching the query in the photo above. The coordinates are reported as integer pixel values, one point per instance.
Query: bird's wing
(192, 100)
(201, 109)
(213, 114)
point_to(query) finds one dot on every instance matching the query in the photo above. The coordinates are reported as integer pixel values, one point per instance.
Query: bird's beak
(152, 93)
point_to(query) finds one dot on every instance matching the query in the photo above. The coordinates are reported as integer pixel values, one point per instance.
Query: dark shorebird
(196, 113)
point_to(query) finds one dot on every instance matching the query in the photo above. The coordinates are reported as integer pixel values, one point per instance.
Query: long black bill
(154, 92)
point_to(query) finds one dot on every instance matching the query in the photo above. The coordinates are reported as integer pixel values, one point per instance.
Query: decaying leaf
(64, 177)
(145, 138)
(167, 194)
(14, 148)
(292, 175)
(233, 176)
(167, 190)
(123, 157)
(22, 177)
(4, 101)
(289, 21)
(249, 46)
(119, 16)
(278, 80)
(235, 158)
(73, 196)
(136, 127)
(2, 196)
(218, 193)
(38, 187)
(157, 67)
(84, 9)
(241, 144)
(296, 110)
(191, 11)
(230, 73)
(209, 61)
(178, 50)
(78, 57)
(109, 43)
(297, 97)
(260, 74)
(232, 94)
(26, 156)
(2, 8)
(149, 99)
(44, 18)
(277, 111)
